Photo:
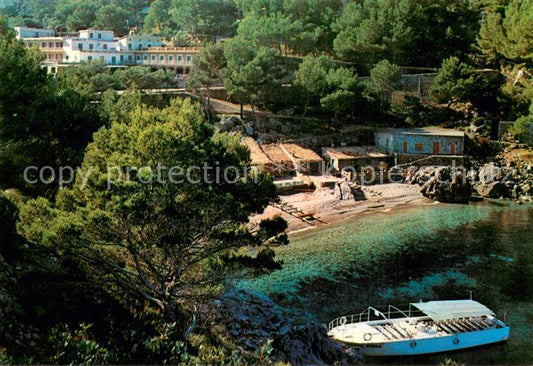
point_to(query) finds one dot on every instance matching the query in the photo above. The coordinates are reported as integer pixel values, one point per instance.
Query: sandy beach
(327, 206)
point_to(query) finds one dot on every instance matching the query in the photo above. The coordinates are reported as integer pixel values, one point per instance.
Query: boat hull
(435, 344)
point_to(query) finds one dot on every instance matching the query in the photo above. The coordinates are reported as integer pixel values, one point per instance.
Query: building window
(419, 146)
(43, 45)
(91, 35)
(105, 46)
(80, 46)
(140, 46)
(138, 58)
(189, 58)
(89, 58)
(130, 46)
(180, 58)
(130, 58)
(114, 60)
(161, 58)
(30, 45)
(153, 57)
(145, 57)
(149, 45)
(91, 46)
(170, 58)
(99, 35)
(50, 45)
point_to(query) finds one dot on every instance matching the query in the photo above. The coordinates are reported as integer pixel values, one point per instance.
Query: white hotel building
(92, 45)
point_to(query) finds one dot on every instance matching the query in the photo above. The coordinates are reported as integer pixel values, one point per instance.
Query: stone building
(440, 144)
(355, 157)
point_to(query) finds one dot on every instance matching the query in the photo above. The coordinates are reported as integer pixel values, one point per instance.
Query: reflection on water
(430, 253)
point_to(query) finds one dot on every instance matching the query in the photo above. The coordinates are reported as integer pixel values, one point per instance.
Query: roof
(428, 131)
(276, 154)
(354, 152)
(302, 153)
(451, 309)
(47, 38)
(256, 153)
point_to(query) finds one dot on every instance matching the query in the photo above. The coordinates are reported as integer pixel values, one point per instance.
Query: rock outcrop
(444, 184)
(309, 344)
(252, 321)
(251, 318)
(505, 177)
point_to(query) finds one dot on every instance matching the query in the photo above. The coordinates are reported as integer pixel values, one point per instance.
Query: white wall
(26, 32)
(138, 42)
(102, 35)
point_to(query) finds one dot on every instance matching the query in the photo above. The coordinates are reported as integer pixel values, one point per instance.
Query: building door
(405, 147)
(452, 148)
(113, 60)
(436, 148)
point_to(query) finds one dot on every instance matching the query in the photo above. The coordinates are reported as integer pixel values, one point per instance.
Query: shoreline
(326, 206)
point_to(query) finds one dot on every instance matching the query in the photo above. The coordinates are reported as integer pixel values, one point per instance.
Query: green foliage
(453, 82)
(154, 239)
(343, 90)
(157, 20)
(406, 32)
(299, 25)
(115, 108)
(9, 240)
(42, 120)
(76, 347)
(384, 79)
(73, 15)
(168, 346)
(206, 72)
(417, 114)
(311, 78)
(273, 226)
(322, 82)
(113, 18)
(507, 32)
(522, 127)
(205, 19)
(251, 75)
(95, 76)
(459, 82)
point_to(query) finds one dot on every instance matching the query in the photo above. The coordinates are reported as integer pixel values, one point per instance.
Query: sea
(430, 252)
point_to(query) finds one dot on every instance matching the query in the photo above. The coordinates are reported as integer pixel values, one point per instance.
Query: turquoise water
(432, 252)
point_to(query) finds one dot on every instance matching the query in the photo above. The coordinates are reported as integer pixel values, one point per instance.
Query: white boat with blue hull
(426, 327)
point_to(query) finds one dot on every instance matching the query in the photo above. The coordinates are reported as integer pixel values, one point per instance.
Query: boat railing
(367, 315)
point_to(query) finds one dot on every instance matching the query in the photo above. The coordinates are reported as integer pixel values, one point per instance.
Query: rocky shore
(509, 176)
(253, 322)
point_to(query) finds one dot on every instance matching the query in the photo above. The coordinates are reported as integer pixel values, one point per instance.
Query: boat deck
(392, 330)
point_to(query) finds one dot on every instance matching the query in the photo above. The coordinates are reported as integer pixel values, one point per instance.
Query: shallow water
(431, 252)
